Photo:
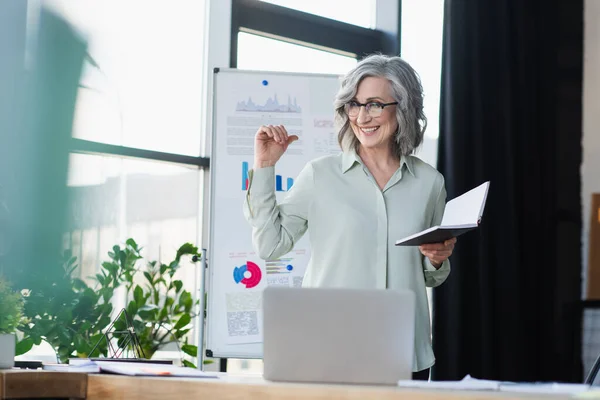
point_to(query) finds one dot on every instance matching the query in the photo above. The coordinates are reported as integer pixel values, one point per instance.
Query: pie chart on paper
(248, 274)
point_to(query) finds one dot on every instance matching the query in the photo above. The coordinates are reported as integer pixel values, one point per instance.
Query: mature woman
(358, 203)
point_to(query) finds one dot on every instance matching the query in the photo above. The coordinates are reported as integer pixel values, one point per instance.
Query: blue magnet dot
(289, 268)
(265, 82)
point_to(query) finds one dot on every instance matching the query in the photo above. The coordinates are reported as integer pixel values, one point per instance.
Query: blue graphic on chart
(280, 272)
(271, 105)
(248, 274)
(278, 180)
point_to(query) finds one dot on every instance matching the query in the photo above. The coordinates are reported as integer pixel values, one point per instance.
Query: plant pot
(7, 350)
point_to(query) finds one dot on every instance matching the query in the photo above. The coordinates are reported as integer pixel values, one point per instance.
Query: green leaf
(112, 268)
(181, 333)
(81, 346)
(103, 322)
(120, 324)
(188, 364)
(163, 314)
(186, 300)
(63, 334)
(149, 277)
(122, 258)
(106, 294)
(163, 268)
(24, 346)
(178, 286)
(132, 308)
(186, 248)
(148, 312)
(183, 321)
(85, 326)
(100, 278)
(138, 295)
(69, 269)
(79, 284)
(169, 301)
(132, 243)
(190, 350)
(147, 315)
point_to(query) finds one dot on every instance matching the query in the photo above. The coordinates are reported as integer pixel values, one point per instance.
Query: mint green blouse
(353, 226)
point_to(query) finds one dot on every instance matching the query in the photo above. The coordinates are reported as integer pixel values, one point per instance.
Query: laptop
(357, 336)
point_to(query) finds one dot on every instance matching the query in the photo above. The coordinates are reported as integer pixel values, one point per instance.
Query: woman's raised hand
(270, 142)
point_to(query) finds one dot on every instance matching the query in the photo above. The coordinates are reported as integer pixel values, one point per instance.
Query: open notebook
(462, 214)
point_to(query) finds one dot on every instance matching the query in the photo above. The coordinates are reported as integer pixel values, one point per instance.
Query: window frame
(273, 21)
(97, 148)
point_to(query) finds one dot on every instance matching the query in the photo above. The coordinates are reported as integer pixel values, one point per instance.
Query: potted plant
(11, 312)
(161, 310)
(74, 316)
(66, 313)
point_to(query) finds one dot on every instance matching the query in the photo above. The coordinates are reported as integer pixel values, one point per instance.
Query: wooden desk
(23, 384)
(107, 387)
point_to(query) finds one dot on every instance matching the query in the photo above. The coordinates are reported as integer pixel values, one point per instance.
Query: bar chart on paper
(279, 187)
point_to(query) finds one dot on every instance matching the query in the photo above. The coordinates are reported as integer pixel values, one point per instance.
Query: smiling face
(374, 132)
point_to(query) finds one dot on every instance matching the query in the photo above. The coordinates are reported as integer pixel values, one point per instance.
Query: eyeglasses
(374, 108)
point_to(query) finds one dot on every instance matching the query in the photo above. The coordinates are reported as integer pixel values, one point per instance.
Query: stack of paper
(470, 383)
(552, 387)
(129, 368)
(137, 369)
(87, 367)
(467, 383)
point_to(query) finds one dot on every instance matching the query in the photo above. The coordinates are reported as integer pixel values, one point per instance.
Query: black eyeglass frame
(359, 105)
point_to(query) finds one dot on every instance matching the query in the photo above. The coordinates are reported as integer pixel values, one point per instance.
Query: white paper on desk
(467, 383)
(559, 388)
(144, 369)
(88, 367)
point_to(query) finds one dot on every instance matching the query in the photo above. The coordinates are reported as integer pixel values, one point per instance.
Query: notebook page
(466, 209)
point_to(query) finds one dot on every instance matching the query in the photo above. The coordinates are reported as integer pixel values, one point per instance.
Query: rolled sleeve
(260, 191)
(277, 227)
(435, 276)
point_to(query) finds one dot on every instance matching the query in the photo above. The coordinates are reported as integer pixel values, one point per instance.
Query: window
(135, 168)
(271, 19)
(356, 12)
(113, 198)
(260, 53)
(140, 97)
(142, 84)
(422, 27)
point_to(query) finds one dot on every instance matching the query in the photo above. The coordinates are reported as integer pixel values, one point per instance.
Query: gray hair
(406, 90)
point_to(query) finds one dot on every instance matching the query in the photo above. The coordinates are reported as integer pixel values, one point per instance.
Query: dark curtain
(511, 113)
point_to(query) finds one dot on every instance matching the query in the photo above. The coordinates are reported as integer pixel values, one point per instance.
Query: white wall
(590, 168)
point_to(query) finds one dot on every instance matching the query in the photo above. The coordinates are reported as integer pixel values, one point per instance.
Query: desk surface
(19, 384)
(22, 384)
(252, 387)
